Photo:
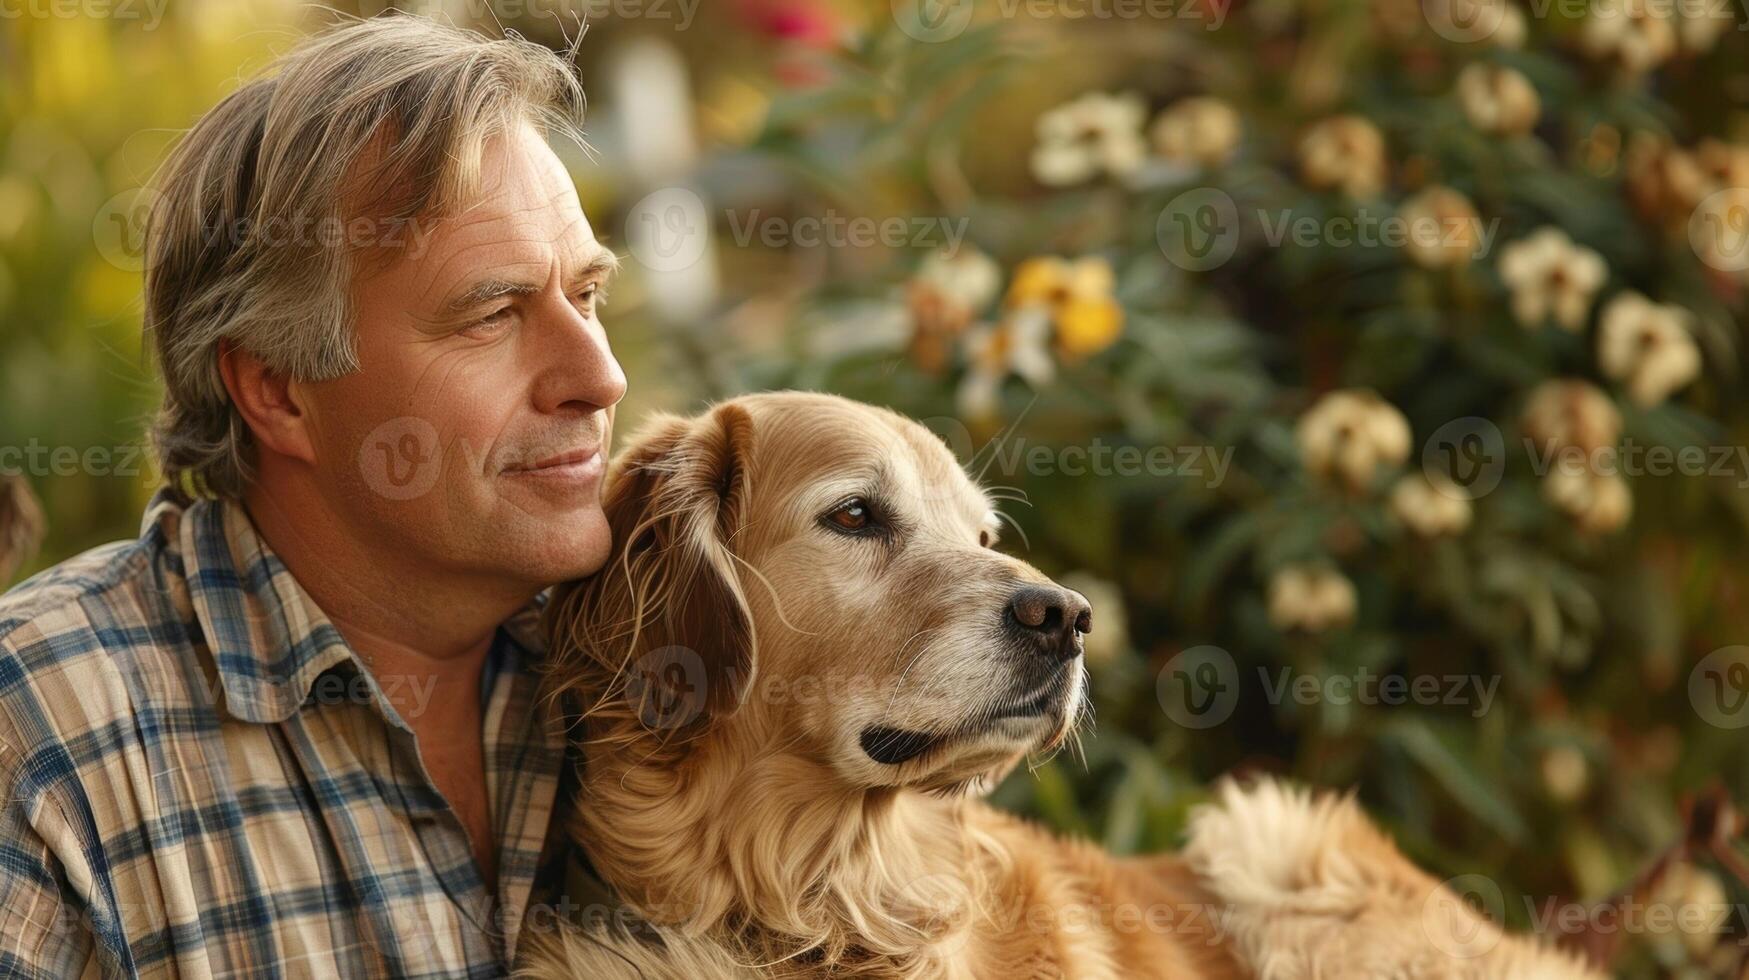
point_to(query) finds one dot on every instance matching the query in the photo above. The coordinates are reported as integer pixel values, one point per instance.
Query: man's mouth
(576, 464)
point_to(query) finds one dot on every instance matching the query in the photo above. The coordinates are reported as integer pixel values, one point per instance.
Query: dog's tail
(1309, 887)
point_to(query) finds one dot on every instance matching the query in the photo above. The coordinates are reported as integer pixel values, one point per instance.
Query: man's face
(474, 434)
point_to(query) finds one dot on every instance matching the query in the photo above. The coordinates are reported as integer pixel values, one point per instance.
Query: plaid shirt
(199, 778)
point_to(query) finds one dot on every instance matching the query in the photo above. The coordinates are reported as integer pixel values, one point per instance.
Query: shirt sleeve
(44, 931)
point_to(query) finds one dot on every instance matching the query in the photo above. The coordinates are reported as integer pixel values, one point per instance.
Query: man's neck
(391, 611)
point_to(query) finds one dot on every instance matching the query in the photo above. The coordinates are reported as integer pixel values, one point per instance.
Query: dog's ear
(664, 628)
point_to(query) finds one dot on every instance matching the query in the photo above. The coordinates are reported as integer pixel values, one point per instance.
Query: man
(293, 729)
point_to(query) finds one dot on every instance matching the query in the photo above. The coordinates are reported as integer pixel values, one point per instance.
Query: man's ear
(665, 627)
(269, 403)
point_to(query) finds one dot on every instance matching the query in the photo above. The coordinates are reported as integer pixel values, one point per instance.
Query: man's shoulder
(78, 640)
(78, 598)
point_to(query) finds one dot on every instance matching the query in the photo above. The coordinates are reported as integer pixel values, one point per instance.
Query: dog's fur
(737, 666)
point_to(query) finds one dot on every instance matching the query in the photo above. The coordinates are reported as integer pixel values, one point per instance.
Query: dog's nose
(1050, 617)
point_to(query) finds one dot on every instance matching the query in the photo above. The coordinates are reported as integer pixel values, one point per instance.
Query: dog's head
(804, 573)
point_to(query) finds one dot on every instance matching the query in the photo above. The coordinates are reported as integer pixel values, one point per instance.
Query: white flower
(1551, 277)
(1569, 413)
(1346, 153)
(1430, 509)
(1199, 130)
(1314, 598)
(1349, 435)
(1647, 346)
(1636, 34)
(1598, 503)
(1441, 229)
(1497, 99)
(1019, 344)
(1095, 134)
(965, 278)
(1565, 773)
(945, 295)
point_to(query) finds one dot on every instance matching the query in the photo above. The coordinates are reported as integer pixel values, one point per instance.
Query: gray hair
(268, 205)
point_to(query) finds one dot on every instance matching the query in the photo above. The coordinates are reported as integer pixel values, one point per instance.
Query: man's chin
(552, 548)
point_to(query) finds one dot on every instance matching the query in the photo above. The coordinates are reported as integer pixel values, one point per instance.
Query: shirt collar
(268, 638)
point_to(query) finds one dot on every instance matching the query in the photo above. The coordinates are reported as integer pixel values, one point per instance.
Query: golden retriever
(801, 669)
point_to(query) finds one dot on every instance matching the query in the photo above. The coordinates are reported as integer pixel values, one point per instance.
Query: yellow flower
(1078, 297)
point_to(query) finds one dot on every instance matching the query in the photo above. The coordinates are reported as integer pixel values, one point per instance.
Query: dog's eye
(854, 516)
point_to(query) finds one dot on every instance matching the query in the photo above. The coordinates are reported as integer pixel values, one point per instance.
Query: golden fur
(727, 668)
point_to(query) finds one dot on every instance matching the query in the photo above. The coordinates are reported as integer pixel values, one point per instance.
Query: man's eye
(490, 323)
(854, 516)
(589, 296)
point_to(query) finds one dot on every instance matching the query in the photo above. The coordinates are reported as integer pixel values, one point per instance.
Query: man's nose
(1050, 619)
(578, 367)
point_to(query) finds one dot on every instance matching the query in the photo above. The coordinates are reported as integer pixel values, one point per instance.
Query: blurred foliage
(1590, 623)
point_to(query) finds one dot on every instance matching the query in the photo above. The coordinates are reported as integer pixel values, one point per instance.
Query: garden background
(1376, 368)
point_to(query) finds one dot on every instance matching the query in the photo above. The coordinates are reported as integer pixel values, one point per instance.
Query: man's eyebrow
(603, 264)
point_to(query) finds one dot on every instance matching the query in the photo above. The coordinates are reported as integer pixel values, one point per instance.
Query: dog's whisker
(995, 444)
(1017, 529)
(777, 601)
